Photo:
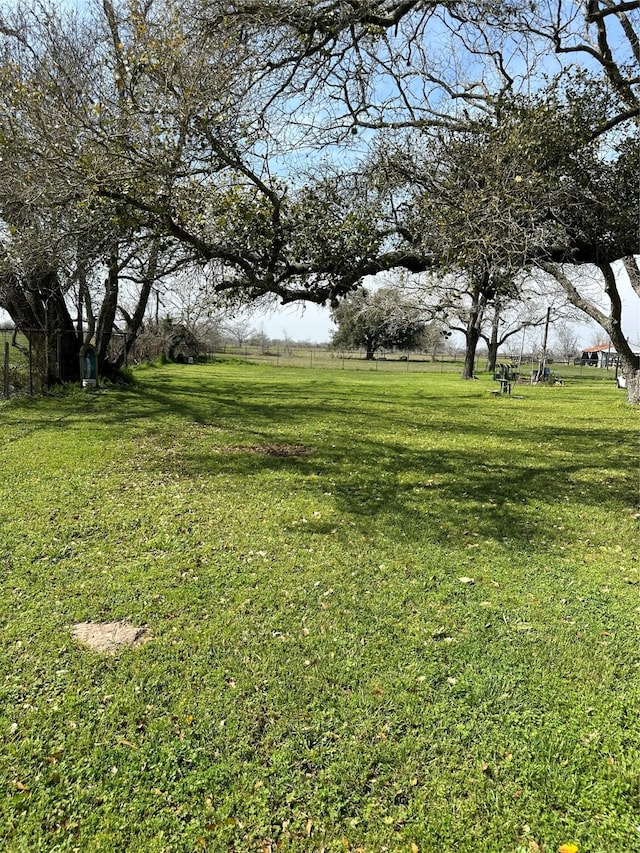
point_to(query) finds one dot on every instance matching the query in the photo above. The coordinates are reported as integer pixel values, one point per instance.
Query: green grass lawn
(389, 613)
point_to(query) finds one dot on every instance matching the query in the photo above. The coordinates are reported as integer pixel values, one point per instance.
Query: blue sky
(299, 322)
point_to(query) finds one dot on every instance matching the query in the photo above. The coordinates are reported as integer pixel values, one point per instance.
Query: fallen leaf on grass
(466, 580)
(228, 821)
(568, 848)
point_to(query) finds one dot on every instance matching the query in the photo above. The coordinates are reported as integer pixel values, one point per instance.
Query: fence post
(6, 370)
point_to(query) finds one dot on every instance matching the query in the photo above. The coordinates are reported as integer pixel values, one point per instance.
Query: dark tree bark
(134, 322)
(107, 315)
(493, 343)
(62, 344)
(473, 327)
(371, 349)
(40, 312)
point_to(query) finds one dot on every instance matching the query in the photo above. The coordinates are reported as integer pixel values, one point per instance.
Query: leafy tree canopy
(384, 318)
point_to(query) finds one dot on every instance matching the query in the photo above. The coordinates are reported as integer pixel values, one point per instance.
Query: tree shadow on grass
(428, 495)
(494, 484)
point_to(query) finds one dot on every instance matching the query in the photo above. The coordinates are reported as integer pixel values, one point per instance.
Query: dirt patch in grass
(109, 637)
(272, 449)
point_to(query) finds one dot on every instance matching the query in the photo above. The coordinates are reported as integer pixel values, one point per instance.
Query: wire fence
(324, 357)
(30, 362)
(33, 360)
(18, 368)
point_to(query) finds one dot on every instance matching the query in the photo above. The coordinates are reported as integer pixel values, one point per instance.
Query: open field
(387, 613)
(324, 357)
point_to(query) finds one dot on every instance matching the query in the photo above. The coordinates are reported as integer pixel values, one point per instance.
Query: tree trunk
(633, 271)
(39, 310)
(472, 331)
(493, 342)
(471, 339)
(63, 358)
(371, 349)
(86, 317)
(492, 356)
(633, 386)
(107, 316)
(134, 323)
(630, 361)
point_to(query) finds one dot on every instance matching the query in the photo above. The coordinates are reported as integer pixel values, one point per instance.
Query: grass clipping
(109, 637)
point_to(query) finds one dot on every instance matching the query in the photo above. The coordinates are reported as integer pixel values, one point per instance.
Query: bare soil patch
(109, 637)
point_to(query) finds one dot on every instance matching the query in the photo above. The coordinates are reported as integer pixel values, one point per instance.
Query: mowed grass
(389, 613)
